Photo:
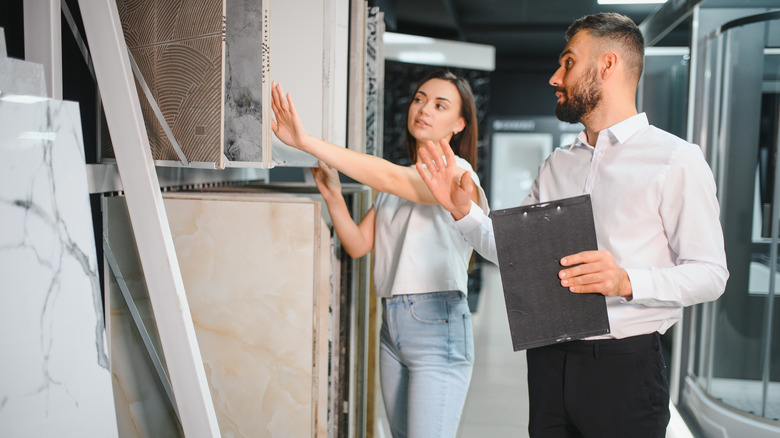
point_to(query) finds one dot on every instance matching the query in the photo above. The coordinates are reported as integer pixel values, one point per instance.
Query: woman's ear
(461, 123)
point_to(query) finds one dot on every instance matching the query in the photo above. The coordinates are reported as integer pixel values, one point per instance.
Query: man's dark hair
(613, 28)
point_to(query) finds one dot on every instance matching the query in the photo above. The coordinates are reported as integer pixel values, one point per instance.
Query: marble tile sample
(247, 65)
(348, 284)
(54, 375)
(256, 270)
(374, 80)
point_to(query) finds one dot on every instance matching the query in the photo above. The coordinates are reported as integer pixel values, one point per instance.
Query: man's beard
(583, 99)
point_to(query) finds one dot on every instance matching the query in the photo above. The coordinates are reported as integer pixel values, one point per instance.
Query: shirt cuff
(471, 221)
(640, 284)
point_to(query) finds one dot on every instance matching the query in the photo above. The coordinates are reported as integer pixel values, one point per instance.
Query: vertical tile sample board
(208, 66)
(256, 270)
(349, 289)
(54, 374)
(374, 80)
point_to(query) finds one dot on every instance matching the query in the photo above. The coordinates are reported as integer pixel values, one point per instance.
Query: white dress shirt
(655, 210)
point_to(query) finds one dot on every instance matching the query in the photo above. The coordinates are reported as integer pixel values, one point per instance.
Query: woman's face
(435, 112)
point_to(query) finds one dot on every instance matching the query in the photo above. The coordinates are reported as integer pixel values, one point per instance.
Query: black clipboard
(530, 241)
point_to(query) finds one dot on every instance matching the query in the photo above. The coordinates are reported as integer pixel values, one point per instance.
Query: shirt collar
(624, 130)
(620, 131)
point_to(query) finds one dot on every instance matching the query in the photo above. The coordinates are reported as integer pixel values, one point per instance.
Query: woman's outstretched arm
(356, 239)
(375, 172)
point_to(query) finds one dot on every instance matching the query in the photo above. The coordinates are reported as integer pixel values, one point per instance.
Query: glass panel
(736, 356)
(515, 164)
(665, 69)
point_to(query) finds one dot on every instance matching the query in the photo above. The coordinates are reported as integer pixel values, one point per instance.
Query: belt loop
(596, 352)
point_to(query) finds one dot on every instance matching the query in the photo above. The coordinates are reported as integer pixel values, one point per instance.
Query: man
(659, 237)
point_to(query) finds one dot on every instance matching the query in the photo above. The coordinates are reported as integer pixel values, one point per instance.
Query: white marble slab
(54, 377)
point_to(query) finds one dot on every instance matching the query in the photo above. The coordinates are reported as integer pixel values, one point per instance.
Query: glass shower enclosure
(731, 356)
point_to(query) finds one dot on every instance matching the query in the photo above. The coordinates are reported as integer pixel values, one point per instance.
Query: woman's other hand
(327, 180)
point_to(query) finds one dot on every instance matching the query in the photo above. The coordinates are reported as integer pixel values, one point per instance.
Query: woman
(420, 259)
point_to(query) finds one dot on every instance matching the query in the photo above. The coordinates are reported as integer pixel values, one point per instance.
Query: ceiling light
(629, 2)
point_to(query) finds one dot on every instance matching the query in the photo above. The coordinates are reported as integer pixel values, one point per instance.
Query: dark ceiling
(529, 34)
(524, 32)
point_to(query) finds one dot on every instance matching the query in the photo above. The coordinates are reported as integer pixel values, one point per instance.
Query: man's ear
(609, 64)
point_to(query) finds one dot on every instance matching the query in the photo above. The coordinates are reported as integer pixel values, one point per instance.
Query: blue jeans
(426, 356)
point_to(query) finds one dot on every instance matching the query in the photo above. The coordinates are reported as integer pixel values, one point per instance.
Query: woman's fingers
(425, 156)
(447, 149)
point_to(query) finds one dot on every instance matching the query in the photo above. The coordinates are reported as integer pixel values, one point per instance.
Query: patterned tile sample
(54, 376)
(374, 77)
(256, 270)
(179, 49)
(208, 66)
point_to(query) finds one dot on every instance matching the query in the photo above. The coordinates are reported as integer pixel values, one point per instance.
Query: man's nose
(555, 79)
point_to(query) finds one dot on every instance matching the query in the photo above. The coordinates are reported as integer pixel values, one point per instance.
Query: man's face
(576, 81)
(579, 99)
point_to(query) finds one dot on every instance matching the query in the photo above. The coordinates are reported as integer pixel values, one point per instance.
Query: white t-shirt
(417, 248)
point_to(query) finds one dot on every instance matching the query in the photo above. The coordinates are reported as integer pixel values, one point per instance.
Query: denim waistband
(406, 298)
(602, 347)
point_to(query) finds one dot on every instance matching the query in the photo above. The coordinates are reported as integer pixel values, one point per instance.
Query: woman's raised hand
(450, 185)
(327, 180)
(287, 126)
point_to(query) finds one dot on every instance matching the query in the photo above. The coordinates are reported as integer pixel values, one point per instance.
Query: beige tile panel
(256, 273)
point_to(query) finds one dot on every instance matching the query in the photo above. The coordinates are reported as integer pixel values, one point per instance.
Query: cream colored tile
(256, 274)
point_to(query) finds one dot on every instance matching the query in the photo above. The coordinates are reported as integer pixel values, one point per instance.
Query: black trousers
(594, 389)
